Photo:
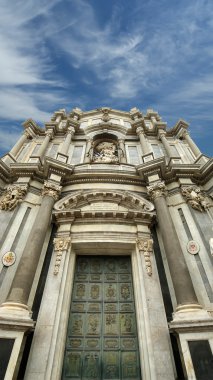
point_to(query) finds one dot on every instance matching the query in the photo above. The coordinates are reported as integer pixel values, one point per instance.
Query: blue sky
(76, 53)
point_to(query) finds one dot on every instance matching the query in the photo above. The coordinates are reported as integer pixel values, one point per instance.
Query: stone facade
(111, 184)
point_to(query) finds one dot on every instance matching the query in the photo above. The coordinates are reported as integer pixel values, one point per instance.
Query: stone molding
(71, 131)
(81, 198)
(139, 130)
(49, 133)
(146, 247)
(195, 197)
(61, 244)
(13, 195)
(52, 190)
(158, 189)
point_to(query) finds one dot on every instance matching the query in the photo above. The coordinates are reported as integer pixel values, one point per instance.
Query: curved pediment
(104, 200)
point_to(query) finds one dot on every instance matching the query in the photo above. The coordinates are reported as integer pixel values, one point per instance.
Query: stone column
(122, 153)
(89, 151)
(181, 279)
(65, 146)
(162, 135)
(44, 144)
(144, 143)
(192, 145)
(14, 151)
(23, 280)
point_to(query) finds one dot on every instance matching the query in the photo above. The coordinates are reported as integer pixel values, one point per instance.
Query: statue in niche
(106, 152)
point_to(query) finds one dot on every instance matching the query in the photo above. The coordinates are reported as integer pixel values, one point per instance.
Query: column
(44, 144)
(66, 144)
(89, 151)
(162, 135)
(144, 143)
(122, 154)
(192, 145)
(181, 279)
(14, 151)
(23, 280)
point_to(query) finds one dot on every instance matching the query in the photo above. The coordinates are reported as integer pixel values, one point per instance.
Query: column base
(189, 317)
(15, 315)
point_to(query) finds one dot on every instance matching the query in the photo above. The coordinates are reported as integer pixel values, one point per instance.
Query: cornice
(30, 123)
(105, 127)
(135, 208)
(52, 165)
(5, 171)
(98, 111)
(178, 127)
(111, 217)
(204, 174)
(25, 169)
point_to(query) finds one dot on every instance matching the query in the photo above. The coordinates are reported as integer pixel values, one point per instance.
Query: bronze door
(102, 332)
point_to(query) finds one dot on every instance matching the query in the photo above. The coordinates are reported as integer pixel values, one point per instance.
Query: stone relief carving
(105, 116)
(146, 246)
(60, 244)
(51, 189)
(105, 152)
(110, 200)
(195, 197)
(158, 189)
(12, 196)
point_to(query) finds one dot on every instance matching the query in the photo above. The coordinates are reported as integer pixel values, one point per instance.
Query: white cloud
(144, 56)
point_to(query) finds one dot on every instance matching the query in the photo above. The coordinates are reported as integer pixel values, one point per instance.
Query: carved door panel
(102, 333)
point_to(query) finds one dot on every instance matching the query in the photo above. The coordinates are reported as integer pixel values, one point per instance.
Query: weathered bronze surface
(102, 339)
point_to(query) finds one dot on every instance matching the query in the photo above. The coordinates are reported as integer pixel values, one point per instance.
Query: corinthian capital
(51, 189)
(139, 130)
(158, 189)
(70, 131)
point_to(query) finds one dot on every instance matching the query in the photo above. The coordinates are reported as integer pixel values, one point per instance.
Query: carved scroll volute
(61, 244)
(146, 247)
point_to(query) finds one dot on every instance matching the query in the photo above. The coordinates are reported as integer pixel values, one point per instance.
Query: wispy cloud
(24, 65)
(149, 54)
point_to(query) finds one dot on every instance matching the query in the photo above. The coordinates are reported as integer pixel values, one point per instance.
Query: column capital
(51, 189)
(49, 133)
(71, 131)
(27, 134)
(161, 133)
(139, 130)
(185, 133)
(156, 190)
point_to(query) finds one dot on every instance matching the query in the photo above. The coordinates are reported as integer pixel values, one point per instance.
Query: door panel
(102, 332)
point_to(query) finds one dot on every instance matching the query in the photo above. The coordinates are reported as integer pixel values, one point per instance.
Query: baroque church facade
(106, 250)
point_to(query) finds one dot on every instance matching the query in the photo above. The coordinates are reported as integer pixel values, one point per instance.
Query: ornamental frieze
(146, 247)
(104, 200)
(60, 244)
(12, 196)
(195, 197)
